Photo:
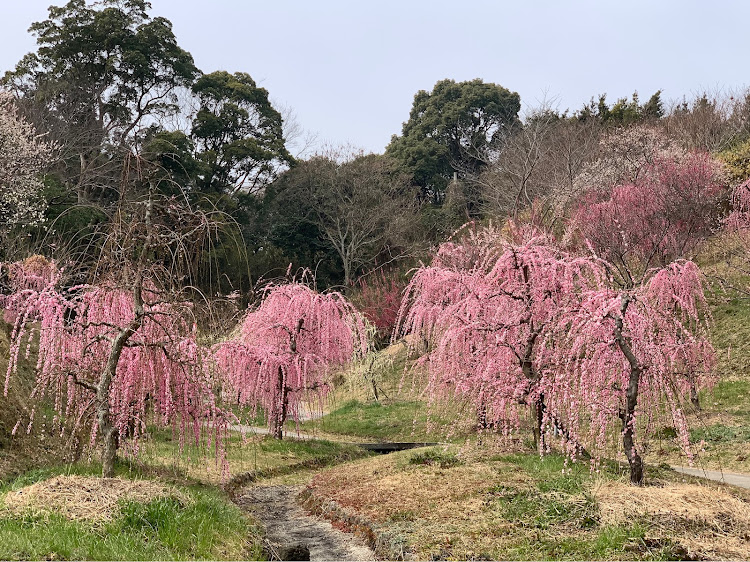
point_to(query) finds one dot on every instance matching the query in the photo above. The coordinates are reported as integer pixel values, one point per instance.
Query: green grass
(530, 508)
(435, 457)
(607, 543)
(729, 335)
(394, 421)
(310, 448)
(552, 473)
(209, 526)
(255, 454)
(720, 433)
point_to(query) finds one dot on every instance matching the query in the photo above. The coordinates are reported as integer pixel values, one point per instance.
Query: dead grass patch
(704, 519)
(441, 511)
(422, 488)
(86, 497)
(501, 507)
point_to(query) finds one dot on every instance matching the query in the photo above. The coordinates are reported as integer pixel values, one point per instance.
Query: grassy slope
(474, 504)
(209, 527)
(390, 420)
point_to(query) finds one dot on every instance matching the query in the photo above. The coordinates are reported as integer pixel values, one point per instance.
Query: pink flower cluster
(160, 376)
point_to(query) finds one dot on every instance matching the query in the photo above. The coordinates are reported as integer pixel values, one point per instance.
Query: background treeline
(110, 108)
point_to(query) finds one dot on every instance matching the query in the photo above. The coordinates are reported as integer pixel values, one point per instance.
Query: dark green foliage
(337, 215)
(450, 129)
(238, 134)
(653, 108)
(100, 71)
(624, 112)
(171, 154)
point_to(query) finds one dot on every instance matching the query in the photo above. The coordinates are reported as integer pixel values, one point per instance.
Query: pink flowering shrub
(658, 218)
(379, 298)
(285, 348)
(26, 280)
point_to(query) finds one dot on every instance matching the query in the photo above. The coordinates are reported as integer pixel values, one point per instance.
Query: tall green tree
(238, 134)
(451, 129)
(102, 73)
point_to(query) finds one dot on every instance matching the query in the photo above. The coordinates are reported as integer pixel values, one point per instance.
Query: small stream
(293, 533)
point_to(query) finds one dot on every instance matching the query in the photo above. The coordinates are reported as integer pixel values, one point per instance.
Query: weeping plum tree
(285, 347)
(486, 305)
(113, 359)
(630, 355)
(527, 324)
(121, 351)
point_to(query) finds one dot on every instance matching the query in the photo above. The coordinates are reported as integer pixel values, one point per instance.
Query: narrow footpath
(294, 534)
(733, 478)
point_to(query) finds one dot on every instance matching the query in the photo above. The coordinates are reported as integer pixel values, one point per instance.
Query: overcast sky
(350, 69)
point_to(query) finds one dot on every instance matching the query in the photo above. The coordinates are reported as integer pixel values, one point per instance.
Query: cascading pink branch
(286, 347)
(630, 355)
(739, 219)
(113, 361)
(27, 279)
(486, 305)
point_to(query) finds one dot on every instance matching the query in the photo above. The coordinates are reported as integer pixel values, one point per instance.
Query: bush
(435, 457)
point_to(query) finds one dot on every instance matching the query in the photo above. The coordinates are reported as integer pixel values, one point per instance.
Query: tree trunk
(109, 454)
(482, 416)
(538, 411)
(694, 397)
(106, 429)
(279, 415)
(627, 415)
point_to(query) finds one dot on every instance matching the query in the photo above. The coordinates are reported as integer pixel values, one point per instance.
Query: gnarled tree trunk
(627, 414)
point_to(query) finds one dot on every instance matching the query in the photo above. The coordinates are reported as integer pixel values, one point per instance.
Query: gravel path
(293, 530)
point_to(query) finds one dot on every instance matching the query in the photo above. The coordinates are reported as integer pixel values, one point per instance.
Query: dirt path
(266, 431)
(733, 478)
(290, 526)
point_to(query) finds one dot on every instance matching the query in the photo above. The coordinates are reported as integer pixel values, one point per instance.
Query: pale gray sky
(350, 68)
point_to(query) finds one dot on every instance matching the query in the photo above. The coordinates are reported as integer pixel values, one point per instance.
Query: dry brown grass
(460, 513)
(705, 519)
(449, 504)
(86, 497)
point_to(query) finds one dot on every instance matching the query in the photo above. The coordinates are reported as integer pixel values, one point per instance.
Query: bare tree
(711, 121)
(538, 162)
(365, 209)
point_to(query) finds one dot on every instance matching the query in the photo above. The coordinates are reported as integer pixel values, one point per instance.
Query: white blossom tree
(23, 156)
